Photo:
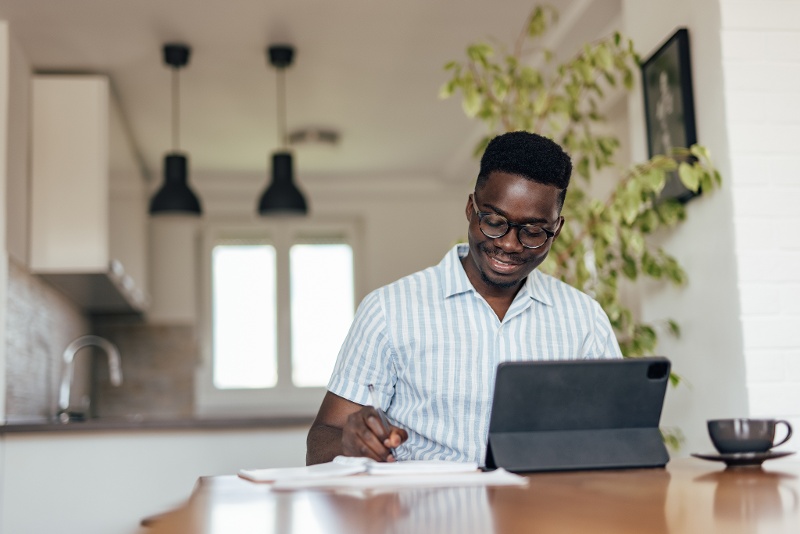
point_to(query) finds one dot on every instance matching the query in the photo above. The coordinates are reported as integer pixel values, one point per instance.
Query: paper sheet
(326, 470)
(345, 465)
(499, 477)
(407, 467)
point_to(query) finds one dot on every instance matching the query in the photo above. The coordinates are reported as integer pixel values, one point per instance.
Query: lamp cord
(282, 108)
(175, 111)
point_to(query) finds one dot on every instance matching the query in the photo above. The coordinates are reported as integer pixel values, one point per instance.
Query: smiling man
(430, 342)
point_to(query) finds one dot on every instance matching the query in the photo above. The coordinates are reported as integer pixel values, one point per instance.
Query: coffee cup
(731, 436)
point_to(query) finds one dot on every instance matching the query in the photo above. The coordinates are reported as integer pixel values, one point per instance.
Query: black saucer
(743, 458)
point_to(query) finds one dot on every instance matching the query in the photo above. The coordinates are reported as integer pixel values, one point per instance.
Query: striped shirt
(431, 344)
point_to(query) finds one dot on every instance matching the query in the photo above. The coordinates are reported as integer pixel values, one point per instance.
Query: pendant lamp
(175, 196)
(282, 196)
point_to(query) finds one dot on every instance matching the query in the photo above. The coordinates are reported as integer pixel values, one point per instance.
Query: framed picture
(669, 105)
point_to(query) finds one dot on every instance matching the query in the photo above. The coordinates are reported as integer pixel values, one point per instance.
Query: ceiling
(370, 69)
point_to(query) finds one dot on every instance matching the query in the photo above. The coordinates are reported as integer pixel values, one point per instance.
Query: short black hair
(529, 155)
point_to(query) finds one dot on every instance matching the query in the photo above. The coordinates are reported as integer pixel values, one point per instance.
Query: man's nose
(510, 241)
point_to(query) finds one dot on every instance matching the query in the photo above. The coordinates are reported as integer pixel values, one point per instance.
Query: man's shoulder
(421, 280)
(424, 280)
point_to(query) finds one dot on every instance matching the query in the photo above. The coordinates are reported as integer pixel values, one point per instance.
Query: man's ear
(560, 226)
(469, 209)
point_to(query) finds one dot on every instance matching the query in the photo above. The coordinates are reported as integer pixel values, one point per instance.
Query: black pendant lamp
(282, 196)
(175, 196)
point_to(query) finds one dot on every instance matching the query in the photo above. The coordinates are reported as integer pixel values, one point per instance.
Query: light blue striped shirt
(430, 344)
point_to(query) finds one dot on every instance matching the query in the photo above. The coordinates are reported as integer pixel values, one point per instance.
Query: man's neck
(498, 297)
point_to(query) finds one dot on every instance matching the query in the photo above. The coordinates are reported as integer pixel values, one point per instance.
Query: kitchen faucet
(114, 368)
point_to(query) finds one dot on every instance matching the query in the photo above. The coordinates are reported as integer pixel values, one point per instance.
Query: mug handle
(788, 432)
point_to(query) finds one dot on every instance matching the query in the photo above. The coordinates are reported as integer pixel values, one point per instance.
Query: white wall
(396, 241)
(4, 82)
(5, 72)
(761, 64)
(709, 355)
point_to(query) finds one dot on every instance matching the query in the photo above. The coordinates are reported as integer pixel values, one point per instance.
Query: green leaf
(606, 232)
(675, 379)
(674, 328)
(629, 207)
(653, 180)
(636, 243)
(688, 176)
(471, 102)
(648, 221)
(582, 167)
(670, 212)
(700, 152)
(651, 267)
(629, 268)
(604, 58)
(447, 89)
(480, 52)
(627, 79)
(500, 87)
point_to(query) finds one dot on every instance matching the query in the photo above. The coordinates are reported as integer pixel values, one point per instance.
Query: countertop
(104, 424)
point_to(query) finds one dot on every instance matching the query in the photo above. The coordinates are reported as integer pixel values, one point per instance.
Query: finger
(394, 439)
(375, 434)
(397, 437)
(370, 445)
(373, 422)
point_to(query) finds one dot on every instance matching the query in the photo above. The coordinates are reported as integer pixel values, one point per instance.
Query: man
(430, 342)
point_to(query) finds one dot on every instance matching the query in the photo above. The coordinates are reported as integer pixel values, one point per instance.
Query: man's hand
(365, 435)
(346, 428)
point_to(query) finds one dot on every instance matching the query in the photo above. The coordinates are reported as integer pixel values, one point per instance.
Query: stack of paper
(330, 469)
(372, 475)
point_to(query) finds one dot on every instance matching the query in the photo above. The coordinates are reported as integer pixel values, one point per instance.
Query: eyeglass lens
(494, 226)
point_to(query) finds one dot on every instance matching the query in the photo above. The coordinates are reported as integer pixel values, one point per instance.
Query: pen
(377, 406)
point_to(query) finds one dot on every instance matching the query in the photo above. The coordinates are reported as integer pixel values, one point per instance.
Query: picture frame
(669, 106)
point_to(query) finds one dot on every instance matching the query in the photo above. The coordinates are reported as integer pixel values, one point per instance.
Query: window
(280, 303)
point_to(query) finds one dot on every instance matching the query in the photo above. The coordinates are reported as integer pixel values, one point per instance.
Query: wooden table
(689, 496)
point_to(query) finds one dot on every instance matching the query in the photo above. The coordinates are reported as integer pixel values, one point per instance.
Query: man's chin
(501, 284)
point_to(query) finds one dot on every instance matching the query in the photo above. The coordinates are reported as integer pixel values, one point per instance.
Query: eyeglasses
(495, 226)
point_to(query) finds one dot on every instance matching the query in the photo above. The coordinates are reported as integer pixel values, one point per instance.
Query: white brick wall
(761, 62)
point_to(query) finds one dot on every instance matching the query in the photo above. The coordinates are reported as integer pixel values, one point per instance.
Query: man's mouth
(501, 264)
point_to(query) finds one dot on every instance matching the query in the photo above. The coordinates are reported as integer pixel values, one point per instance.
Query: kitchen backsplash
(158, 367)
(40, 323)
(158, 361)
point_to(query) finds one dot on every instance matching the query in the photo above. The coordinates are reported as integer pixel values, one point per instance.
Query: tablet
(578, 414)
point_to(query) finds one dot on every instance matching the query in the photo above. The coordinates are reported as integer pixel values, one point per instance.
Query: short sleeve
(366, 356)
(605, 341)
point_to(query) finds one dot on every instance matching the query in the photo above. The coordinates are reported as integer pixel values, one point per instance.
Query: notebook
(578, 414)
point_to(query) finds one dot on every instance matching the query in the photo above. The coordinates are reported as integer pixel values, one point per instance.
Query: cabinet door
(69, 169)
(88, 196)
(127, 205)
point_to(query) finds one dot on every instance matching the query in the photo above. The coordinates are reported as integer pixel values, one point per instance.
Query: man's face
(499, 265)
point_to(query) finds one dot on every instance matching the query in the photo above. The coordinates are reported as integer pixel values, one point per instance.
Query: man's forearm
(323, 444)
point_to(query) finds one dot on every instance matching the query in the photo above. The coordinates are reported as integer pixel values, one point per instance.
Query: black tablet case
(578, 414)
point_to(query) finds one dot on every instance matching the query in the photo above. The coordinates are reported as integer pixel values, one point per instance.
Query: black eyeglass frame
(509, 226)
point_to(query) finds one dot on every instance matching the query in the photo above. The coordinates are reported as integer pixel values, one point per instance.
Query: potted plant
(605, 240)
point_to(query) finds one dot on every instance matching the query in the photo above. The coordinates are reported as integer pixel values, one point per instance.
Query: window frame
(284, 399)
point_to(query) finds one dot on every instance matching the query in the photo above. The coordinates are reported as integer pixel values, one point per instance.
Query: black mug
(731, 436)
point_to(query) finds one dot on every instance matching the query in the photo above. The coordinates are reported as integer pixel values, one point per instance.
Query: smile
(501, 266)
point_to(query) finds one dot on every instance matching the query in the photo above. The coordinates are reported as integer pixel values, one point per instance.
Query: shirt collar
(455, 279)
(535, 288)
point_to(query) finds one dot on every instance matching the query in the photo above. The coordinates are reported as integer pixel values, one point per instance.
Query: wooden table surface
(689, 496)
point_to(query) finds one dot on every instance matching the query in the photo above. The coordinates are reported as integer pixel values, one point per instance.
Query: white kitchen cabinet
(106, 482)
(88, 196)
